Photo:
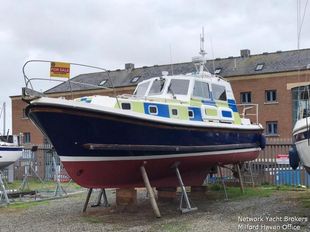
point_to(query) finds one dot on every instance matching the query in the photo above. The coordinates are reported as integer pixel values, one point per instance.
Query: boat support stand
(223, 181)
(3, 193)
(102, 193)
(240, 177)
(237, 173)
(184, 196)
(150, 191)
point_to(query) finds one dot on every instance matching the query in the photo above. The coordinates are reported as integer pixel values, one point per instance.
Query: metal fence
(272, 167)
(37, 162)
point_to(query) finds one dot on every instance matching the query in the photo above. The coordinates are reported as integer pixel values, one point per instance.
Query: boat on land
(191, 120)
(300, 151)
(9, 153)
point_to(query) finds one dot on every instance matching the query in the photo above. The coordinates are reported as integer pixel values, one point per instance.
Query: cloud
(112, 33)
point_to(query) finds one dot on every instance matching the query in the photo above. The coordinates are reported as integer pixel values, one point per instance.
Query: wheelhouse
(185, 89)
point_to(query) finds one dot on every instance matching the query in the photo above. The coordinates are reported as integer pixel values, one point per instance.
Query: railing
(267, 169)
(29, 92)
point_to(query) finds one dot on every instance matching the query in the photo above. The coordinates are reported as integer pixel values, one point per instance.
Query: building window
(26, 137)
(245, 97)
(24, 113)
(259, 67)
(271, 128)
(270, 95)
(135, 79)
(102, 83)
(217, 70)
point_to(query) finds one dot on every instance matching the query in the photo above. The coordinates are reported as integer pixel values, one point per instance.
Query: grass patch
(304, 199)
(27, 205)
(92, 219)
(172, 227)
(234, 193)
(21, 206)
(45, 186)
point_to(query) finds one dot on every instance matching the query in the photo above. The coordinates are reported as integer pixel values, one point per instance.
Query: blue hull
(74, 132)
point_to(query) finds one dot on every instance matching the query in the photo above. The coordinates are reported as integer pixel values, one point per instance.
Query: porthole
(126, 106)
(191, 114)
(174, 112)
(153, 110)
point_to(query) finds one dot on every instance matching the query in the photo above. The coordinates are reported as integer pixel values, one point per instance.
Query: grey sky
(111, 33)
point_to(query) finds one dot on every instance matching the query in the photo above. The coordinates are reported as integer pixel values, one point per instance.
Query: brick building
(266, 79)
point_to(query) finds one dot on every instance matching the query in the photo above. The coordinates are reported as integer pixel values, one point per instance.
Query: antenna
(4, 122)
(202, 43)
(213, 62)
(200, 61)
(171, 59)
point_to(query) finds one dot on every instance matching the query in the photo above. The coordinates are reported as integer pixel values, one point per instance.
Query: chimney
(245, 53)
(129, 66)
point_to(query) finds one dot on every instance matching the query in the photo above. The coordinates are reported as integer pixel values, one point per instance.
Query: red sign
(282, 159)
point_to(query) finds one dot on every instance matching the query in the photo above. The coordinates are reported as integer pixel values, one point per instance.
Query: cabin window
(141, 89)
(126, 106)
(271, 128)
(201, 90)
(153, 110)
(191, 114)
(245, 97)
(270, 95)
(174, 112)
(178, 87)
(219, 92)
(157, 86)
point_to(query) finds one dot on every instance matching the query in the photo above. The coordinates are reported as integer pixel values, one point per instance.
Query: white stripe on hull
(119, 158)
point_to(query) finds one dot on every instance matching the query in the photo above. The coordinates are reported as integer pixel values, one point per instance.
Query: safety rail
(247, 107)
(29, 92)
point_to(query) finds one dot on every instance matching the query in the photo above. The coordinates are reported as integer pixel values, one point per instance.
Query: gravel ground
(283, 208)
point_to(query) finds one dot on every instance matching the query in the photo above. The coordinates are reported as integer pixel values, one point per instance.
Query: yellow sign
(59, 69)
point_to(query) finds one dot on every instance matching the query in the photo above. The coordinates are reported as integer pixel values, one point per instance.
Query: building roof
(243, 65)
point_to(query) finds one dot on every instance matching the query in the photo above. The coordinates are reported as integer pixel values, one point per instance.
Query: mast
(200, 61)
(202, 51)
(3, 109)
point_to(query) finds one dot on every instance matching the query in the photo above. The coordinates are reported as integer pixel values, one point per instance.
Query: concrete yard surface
(278, 211)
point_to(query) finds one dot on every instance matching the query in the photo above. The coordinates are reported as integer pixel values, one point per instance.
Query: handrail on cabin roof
(28, 80)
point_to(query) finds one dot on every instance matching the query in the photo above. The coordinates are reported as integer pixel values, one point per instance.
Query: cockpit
(181, 88)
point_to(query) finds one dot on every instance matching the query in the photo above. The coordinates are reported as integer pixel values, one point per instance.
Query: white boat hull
(303, 149)
(8, 155)
(302, 141)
